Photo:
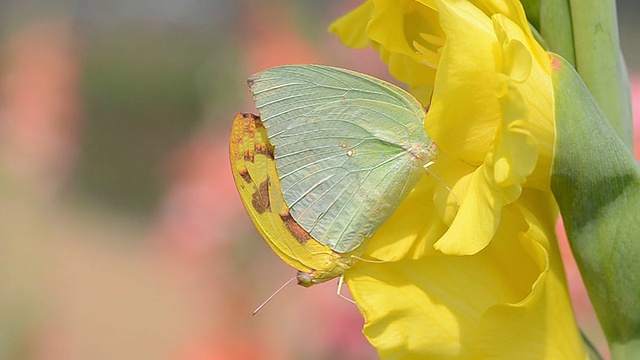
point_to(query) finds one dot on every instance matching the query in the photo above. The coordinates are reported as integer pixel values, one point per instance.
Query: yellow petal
(350, 28)
(477, 218)
(439, 306)
(542, 325)
(465, 113)
(406, 235)
(529, 106)
(397, 25)
(405, 69)
(498, 126)
(517, 150)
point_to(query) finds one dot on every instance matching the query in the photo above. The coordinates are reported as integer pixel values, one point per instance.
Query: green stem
(600, 63)
(556, 29)
(532, 9)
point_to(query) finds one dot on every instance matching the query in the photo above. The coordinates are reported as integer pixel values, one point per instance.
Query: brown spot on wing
(260, 199)
(247, 125)
(248, 156)
(294, 228)
(263, 146)
(264, 150)
(244, 173)
(258, 122)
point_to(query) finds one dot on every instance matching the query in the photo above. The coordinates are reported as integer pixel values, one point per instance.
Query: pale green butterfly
(348, 148)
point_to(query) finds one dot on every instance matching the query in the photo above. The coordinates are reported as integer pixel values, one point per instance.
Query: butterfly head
(306, 279)
(426, 155)
(313, 277)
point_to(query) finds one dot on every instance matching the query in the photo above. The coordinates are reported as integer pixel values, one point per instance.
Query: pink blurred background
(121, 232)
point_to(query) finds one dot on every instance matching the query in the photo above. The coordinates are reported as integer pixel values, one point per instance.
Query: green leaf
(592, 352)
(596, 182)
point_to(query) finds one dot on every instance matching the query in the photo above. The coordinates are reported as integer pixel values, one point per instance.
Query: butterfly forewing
(342, 148)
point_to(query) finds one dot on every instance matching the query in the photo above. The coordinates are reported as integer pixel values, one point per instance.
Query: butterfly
(348, 148)
(255, 175)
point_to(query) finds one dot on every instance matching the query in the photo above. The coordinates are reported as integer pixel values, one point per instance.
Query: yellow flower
(475, 272)
(405, 33)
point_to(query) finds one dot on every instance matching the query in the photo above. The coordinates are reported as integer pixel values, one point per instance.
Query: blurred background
(121, 232)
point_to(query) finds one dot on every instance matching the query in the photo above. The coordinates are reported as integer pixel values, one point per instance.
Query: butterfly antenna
(339, 292)
(272, 295)
(426, 167)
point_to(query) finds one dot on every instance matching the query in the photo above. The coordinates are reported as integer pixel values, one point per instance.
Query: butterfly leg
(339, 292)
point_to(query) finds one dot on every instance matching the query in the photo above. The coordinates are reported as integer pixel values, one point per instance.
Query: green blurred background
(121, 233)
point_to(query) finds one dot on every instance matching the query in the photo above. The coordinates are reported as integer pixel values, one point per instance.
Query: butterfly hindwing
(256, 178)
